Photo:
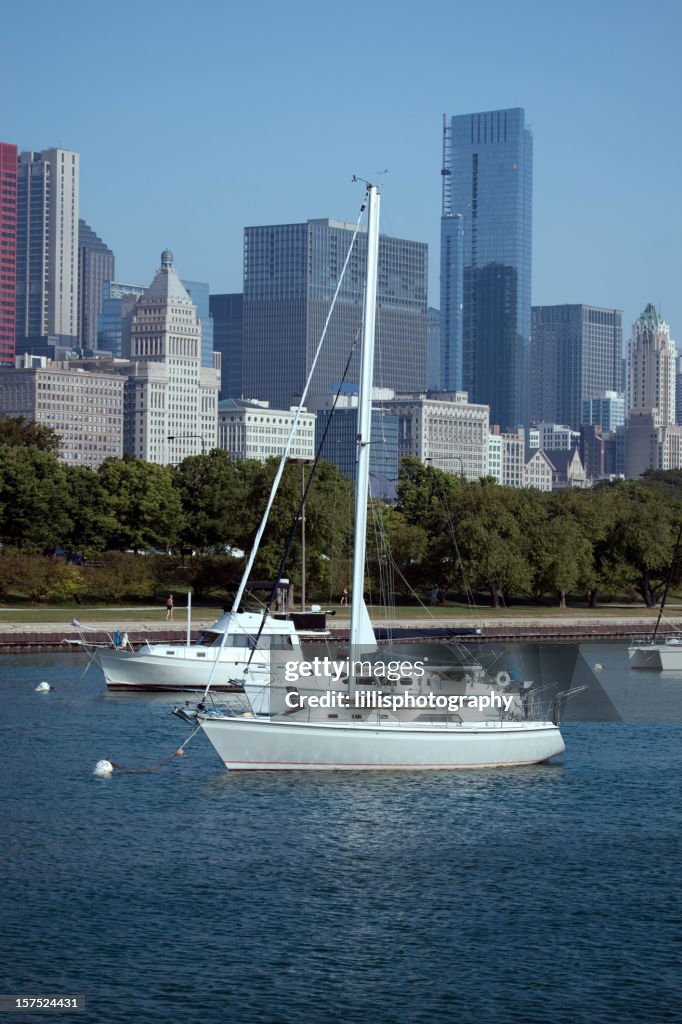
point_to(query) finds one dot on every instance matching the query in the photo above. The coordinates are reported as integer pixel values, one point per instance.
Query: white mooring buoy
(43, 687)
(598, 667)
(103, 768)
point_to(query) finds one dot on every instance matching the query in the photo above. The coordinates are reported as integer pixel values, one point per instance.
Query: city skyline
(283, 148)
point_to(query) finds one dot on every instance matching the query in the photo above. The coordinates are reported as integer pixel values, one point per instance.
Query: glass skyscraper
(227, 314)
(290, 275)
(198, 292)
(96, 265)
(487, 180)
(576, 353)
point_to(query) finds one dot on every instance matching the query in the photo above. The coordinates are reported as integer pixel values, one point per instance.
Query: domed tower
(651, 367)
(172, 401)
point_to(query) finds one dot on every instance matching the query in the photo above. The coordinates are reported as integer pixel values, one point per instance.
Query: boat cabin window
(244, 641)
(206, 639)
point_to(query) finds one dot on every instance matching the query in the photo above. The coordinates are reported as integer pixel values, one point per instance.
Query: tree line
(443, 534)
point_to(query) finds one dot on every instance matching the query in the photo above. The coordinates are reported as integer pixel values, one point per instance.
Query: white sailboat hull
(244, 744)
(666, 657)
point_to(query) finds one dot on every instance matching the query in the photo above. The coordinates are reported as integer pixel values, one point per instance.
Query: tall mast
(358, 611)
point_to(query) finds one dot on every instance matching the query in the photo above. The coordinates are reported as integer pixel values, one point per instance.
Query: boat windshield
(242, 641)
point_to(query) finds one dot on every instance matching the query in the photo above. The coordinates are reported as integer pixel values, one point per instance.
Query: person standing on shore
(169, 607)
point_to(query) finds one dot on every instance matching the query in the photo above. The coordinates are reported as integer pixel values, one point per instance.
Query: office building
(553, 437)
(291, 272)
(653, 440)
(227, 313)
(651, 366)
(443, 429)
(118, 302)
(198, 292)
(8, 247)
(433, 353)
(606, 410)
(487, 180)
(95, 266)
(575, 355)
(171, 400)
(507, 457)
(85, 409)
(336, 438)
(47, 246)
(252, 430)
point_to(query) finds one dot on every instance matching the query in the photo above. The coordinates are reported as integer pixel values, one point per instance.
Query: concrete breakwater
(17, 636)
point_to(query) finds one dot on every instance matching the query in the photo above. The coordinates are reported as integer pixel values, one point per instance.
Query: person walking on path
(344, 596)
(169, 607)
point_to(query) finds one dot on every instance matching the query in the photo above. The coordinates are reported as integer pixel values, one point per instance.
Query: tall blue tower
(486, 225)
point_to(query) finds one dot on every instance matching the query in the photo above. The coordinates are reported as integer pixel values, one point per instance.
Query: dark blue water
(547, 894)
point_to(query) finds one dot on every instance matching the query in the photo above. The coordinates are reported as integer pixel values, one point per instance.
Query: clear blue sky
(194, 120)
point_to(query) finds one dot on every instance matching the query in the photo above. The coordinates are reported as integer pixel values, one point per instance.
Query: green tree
(34, 499)
(93, 521)
(213, 490)
(146, 506)
(644, 537)
(18, 432)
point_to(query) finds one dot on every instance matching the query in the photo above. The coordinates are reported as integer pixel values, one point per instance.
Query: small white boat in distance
(665, 655)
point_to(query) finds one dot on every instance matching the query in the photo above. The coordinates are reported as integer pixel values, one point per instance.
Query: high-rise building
(291, 272)
(8, 247)
(118, 303)
(95, 266)
(487, 182)
(651, 366)
(575, 355)
(47, 245)
(433, 368)
(198, 292)
(653, 441)
(451, 290)
(171, 400)
(227, 312)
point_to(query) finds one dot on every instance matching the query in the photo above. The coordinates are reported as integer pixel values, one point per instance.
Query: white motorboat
(223, 655)
(332, 720)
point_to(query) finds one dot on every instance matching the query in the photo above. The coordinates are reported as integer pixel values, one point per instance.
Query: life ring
(503, 678)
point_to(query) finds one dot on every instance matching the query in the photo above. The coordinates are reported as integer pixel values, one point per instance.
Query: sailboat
(360, 718)
(665, 655)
